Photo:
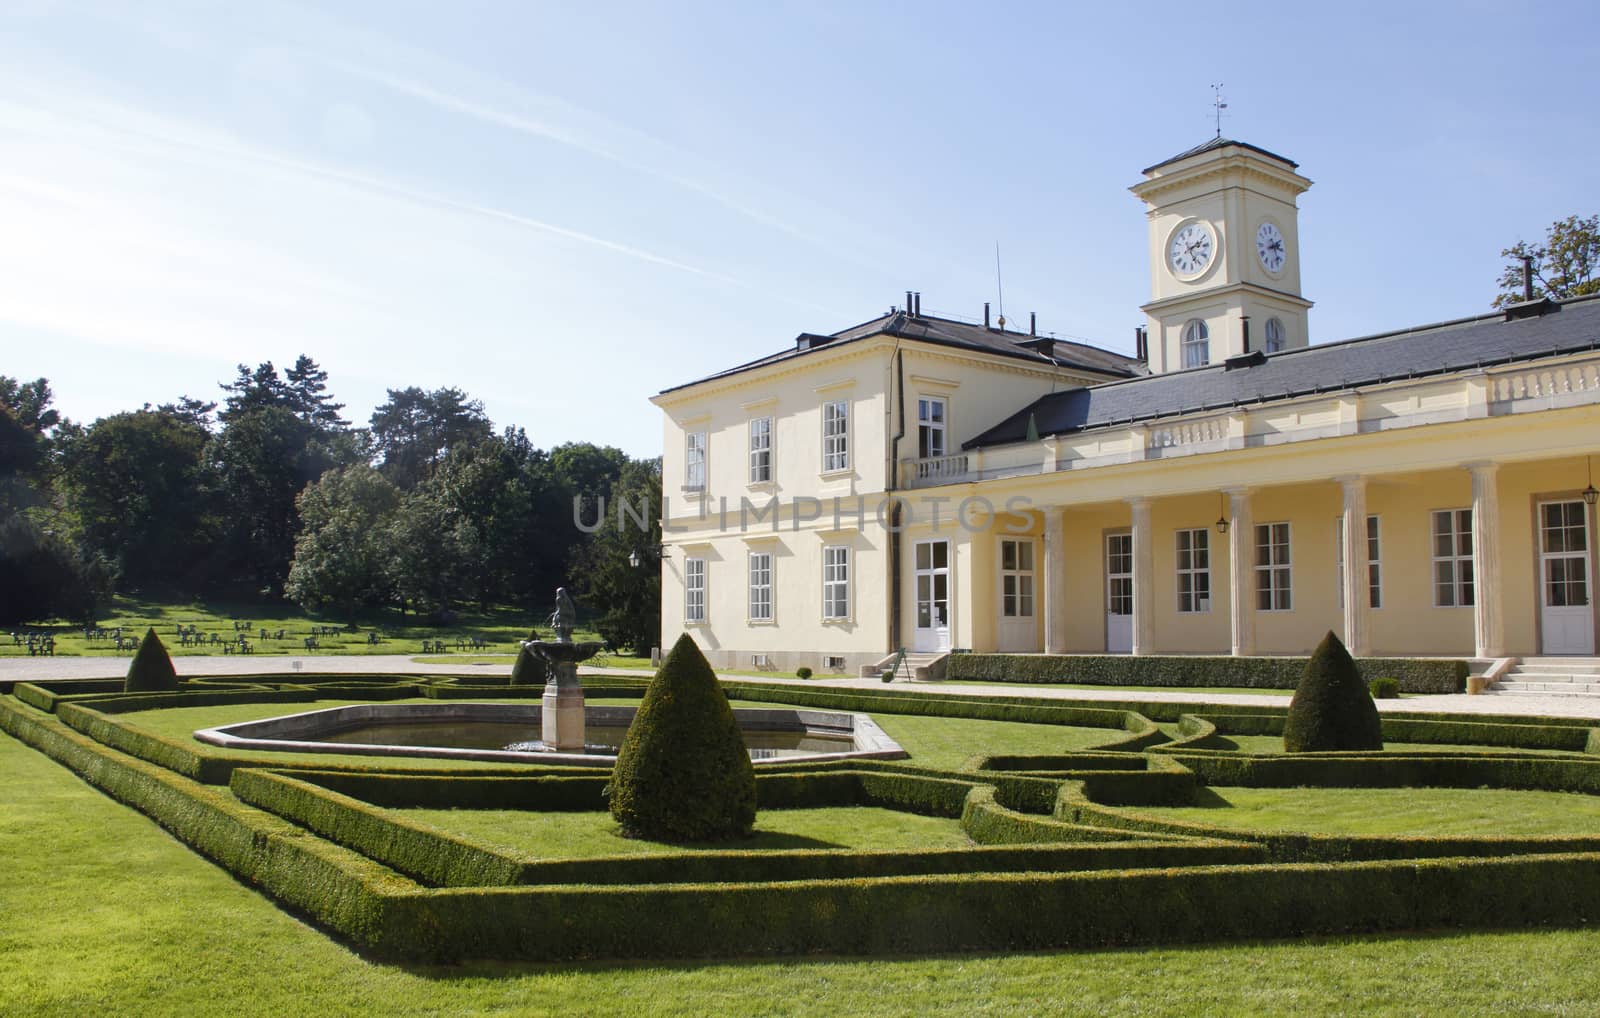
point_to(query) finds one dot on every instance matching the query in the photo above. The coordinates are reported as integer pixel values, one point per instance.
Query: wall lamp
(635, 559)
(1589, 494)
(1222, 513)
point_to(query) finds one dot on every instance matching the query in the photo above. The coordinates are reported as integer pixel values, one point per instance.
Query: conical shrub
(1331, 709)
(683, 773)
(151, 668)
(530, 669)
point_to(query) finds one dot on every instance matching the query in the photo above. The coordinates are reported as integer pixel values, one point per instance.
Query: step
(1549, 677)
(1543, 666)
(1591, 662)
(1569, 688)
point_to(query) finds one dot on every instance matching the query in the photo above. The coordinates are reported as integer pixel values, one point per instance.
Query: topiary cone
(1331, 709)
(683, 773)
(529, 670)
(151, 668)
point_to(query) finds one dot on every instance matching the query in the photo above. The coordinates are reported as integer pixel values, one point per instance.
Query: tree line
(272, 494)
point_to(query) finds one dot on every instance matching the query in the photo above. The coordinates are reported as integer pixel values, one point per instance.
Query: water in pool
(602, 740)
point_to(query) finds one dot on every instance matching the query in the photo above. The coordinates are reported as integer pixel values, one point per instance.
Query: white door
(1566, 618)
(932, 586)
(1119, 593)
(1017, 631)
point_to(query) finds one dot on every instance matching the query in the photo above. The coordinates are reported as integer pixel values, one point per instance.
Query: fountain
(561, 717)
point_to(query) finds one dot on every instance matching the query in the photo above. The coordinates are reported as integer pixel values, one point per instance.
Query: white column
(1055, 581)
(1241, 572)
(1487, 618)
(1357, 599)
(1143, 578)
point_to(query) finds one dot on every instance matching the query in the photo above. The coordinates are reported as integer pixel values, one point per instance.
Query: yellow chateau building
(931, 484)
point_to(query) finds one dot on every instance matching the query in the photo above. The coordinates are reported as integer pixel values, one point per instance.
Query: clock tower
(1224, 255)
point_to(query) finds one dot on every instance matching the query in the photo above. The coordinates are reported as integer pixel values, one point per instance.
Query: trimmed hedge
(1331, 710)
(392, 917)
(1416, 675)
(1390, 770)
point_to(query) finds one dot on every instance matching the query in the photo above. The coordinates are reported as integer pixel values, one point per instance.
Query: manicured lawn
(1473, 812)
(589, 835)
(1274, 744)
(502, 628)
(106, 914)
(945, 743)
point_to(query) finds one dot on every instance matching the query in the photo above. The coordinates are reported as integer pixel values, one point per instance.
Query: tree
(29, 403)
(627, 598)
(431, 549)
(342, 556)
(683, 772)
(151, 669)
(1567, 264)
(262, 460)
(415, 430)
(302, 391)
(42, 577)
(26, 419)
(1331, 709)
(133, 487)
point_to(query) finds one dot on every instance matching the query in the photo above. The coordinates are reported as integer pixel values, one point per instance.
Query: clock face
(1191, 249)
(1270, 248)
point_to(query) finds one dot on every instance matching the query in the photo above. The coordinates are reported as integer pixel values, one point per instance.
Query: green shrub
(683, 772)
(888, 675)
(530, 669)
(802, 672)
(1385, 689)
(1416, 675)
(1331, 709)
(151, 669)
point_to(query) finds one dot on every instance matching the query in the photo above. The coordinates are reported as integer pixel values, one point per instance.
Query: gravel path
(36, 669)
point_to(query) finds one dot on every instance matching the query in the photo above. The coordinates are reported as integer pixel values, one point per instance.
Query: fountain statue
(561, 716)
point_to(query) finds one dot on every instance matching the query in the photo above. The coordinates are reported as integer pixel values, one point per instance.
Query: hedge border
(1416, 675)
(393, 918)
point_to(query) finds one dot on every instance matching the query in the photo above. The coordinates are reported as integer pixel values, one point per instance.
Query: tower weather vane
(1218, 105)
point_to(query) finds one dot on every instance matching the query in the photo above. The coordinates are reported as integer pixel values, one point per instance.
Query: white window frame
(760, 586)
(1374, 561)
(836, 582)
(1272, 335)
(1195, 344)
(1021, 601)
(1191, 578)
(694, 591)
(1461, 583)
(694, 461)
(761, 463)
(1274, 567)
(835, 435)
(931, 428)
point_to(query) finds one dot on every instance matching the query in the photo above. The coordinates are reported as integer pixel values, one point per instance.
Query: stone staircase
(923, 665)
(1553, 676)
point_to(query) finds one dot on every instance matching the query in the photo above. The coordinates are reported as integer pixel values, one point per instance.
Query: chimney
(1140, 347)
(1033, 323)
(1245, 319)
(1527, 277)
(908, 302)
(916, 303)
(986, 314)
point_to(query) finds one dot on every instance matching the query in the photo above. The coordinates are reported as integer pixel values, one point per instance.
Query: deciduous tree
(1567, 264)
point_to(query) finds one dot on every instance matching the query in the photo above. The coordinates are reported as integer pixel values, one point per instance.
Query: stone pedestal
(562, 709)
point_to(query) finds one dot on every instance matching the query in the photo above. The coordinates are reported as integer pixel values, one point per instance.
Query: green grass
(106, 914)
(592, 835)
(1274, 744)
(502, 627)
(945, 743)
(1439, 812)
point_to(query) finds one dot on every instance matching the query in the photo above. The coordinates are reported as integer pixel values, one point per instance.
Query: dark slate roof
(1568, 327)
(1216, 143)
(961, 335)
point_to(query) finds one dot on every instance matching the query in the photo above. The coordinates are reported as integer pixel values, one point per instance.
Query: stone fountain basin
(556, 652)
(297, 733)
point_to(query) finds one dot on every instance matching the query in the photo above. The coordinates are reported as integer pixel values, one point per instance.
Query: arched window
(1196, 344)
(1274, 335)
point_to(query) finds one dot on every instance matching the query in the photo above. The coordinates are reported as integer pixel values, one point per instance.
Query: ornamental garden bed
(1012, 826)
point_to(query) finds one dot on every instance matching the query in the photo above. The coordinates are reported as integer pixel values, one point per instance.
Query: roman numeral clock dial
(1270, 248)
(1191, 248)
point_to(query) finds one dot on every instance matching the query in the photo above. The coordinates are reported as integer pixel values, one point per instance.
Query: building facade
(929, 484)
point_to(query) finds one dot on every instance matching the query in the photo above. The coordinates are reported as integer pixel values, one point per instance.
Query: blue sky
(563, 209)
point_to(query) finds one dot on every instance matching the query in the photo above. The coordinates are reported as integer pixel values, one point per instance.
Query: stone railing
(1201, 432)
(936, 470)
(1538, 383)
